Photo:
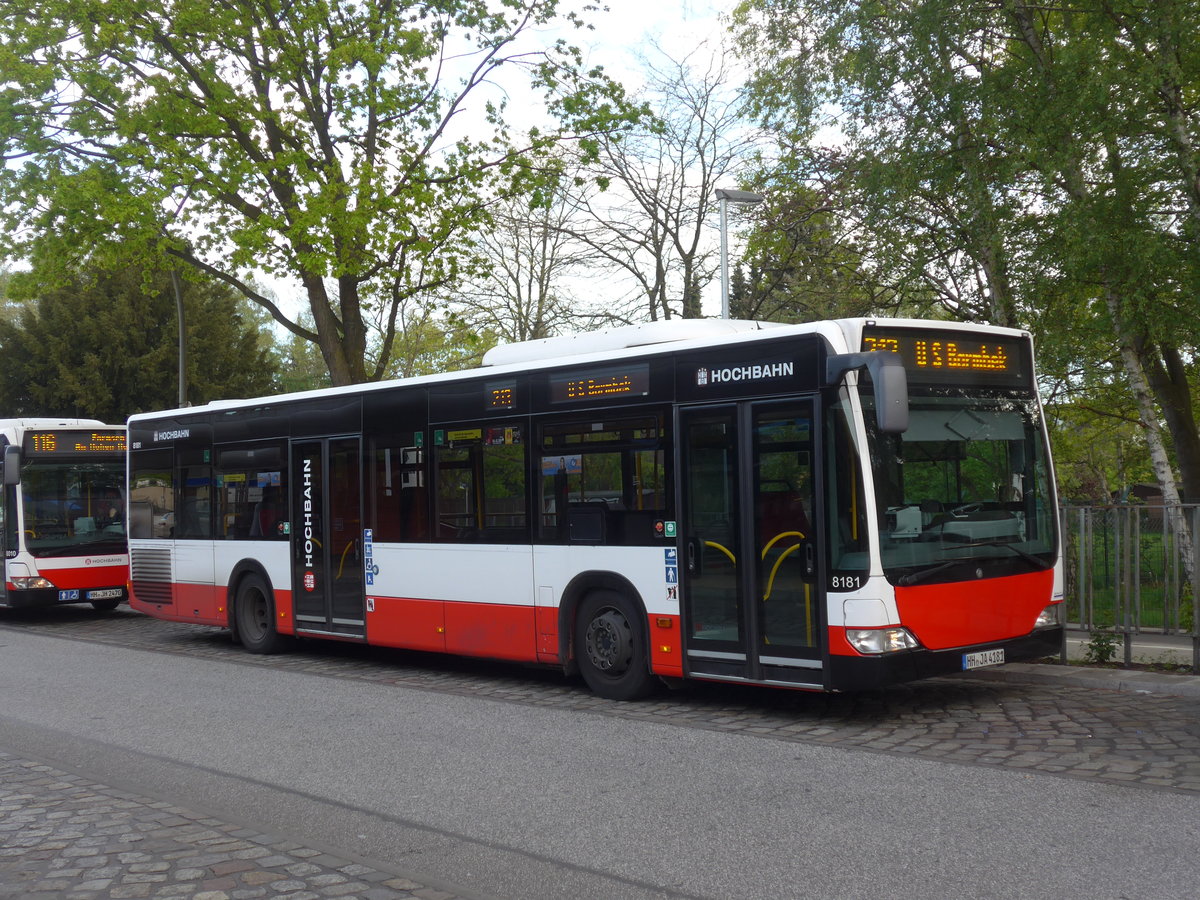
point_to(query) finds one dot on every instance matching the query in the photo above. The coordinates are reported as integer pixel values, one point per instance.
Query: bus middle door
(327, 551)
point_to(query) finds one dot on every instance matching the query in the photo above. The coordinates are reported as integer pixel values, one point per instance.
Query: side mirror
(888, 378)
(12, 464)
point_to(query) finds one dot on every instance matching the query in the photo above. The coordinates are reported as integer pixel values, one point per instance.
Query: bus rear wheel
(254, 617)
(610, 648)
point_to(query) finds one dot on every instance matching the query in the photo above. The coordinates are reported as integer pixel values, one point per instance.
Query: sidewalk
(1146, 649)
(64, 837)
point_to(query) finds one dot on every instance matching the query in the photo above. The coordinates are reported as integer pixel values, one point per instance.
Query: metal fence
(1125, 571)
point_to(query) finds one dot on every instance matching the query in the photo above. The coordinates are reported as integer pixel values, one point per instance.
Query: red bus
(63, 515)
(827, 506)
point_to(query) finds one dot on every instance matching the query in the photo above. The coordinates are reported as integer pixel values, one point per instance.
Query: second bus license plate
(982, 658)
(105, 594)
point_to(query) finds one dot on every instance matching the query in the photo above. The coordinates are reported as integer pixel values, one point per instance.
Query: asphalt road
(525, 796)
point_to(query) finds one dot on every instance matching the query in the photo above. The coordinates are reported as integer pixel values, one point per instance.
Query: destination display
(955, 357)
(74, 442)
(600, 384)
(501, 395)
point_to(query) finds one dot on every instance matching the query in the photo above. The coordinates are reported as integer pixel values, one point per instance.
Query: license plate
(67, 596)
(106, 594)
(983, 658)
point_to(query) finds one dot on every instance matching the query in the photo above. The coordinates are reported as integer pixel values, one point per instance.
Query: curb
(1128, 681)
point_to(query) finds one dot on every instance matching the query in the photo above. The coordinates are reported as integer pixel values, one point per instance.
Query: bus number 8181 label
(845, 582)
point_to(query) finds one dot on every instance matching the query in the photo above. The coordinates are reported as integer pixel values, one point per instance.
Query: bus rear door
(327, 551)
(753, 607)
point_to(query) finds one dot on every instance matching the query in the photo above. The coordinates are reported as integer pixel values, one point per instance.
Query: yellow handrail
(774, 569)
(342, 564)
(725, 550)
(771, 543)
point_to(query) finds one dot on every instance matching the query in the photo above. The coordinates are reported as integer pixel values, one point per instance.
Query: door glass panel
(714, 610)
(345, 533)
(785, 556)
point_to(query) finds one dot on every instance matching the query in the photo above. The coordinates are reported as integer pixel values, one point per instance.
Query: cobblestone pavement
(1062, 729)
(63, 837)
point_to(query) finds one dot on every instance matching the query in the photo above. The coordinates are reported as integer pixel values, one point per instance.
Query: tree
(106, 346)
(1035, 166)
(345, 144)
(520, 292)
(653, 222)
(802, 264)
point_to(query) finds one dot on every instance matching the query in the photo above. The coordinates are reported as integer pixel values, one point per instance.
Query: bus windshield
(967, 484)
(72, 507)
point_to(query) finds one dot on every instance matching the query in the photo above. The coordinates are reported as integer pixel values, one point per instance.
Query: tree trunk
(1159, 459)
(1167, 375)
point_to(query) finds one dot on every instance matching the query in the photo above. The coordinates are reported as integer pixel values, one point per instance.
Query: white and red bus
(63, 515)
(827, 506)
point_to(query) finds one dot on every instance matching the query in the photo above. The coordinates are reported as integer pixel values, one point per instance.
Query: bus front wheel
(610, 648)
(254, 616)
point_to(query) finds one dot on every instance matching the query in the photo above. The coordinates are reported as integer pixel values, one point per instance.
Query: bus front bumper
(39, 598)
(856, 673)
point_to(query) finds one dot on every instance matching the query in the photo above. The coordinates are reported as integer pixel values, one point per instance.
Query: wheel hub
(609, 642)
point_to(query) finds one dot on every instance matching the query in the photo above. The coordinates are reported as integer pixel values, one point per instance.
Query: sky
(675, 24)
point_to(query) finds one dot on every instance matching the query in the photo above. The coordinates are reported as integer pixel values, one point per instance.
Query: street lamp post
(727, 196)
(182, 340)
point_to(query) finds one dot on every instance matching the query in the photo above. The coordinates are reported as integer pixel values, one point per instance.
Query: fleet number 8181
(845, 582)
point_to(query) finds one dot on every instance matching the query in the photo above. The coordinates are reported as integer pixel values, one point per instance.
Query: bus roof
(623, 338)
(618, 343)
(12, 429)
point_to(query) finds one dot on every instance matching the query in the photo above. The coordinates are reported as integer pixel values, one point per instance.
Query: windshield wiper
(924, 574)
(1028, 557)
(917, 577)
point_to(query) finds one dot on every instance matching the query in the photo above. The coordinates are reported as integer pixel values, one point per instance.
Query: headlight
(28, 583)
(881, 640)
(1051, 615)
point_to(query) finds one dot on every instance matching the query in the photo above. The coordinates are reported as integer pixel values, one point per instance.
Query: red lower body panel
(495, 631)
(962, 614)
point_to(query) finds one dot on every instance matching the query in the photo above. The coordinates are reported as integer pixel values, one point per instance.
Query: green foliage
(322, 141)
(1021, 165)
(802, 264)
(105, 345)
(1102, 646)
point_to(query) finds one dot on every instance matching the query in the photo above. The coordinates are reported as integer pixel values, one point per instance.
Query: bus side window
(481, 485)
(602, 481)
(399, 495)
(251, 487)
(457, 500)
(152, 494)
(504, 473)
(195, 503)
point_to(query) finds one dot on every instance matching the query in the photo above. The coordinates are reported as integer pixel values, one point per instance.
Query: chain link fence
(1126, 569)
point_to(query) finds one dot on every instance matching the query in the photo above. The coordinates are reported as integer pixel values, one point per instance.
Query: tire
(106, 605)
(610, 647)
(254, 616)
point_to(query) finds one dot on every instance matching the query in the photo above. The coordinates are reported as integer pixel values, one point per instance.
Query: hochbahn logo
(310, 580)
(753, 372)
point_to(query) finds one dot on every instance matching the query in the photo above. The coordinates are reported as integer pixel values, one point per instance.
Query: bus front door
(752, 607)
(327, 552)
